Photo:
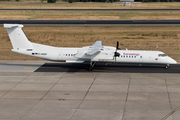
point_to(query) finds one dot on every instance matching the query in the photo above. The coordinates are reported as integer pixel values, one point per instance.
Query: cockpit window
(162, 55)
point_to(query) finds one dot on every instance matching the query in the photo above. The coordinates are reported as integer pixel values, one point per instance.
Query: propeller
(116, 54)
(117, 45)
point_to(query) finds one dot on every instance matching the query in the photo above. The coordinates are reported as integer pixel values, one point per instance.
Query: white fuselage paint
(76, 55)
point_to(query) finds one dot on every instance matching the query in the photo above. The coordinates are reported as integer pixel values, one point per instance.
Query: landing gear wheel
(166, 67)
(90, 68)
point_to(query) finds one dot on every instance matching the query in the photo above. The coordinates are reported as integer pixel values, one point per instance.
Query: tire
(90, 68)
(166, 67)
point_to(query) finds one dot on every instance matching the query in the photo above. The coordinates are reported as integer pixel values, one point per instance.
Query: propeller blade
(117, 46)
(116, 54)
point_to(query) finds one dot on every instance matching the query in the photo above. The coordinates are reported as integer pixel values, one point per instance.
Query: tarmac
(92, 22)
(41, 90)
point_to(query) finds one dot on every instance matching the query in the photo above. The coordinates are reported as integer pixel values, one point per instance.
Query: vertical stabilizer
(17, 36)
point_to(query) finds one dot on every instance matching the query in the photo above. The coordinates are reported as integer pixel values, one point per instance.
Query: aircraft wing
(95, 48)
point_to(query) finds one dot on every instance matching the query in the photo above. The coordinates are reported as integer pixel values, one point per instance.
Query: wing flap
(93, 52)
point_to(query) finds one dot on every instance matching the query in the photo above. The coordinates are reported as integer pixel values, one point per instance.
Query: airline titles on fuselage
(136, 54)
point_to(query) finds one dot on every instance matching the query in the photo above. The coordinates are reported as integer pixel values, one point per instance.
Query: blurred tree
(51, 1)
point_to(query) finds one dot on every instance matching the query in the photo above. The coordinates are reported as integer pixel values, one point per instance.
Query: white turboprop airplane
(92, 54)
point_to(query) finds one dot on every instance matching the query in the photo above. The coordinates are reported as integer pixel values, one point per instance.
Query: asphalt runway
(42, 90)
(92, 22)
(89, 9)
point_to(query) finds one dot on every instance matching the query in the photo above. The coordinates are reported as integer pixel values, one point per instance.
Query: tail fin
(17, 36)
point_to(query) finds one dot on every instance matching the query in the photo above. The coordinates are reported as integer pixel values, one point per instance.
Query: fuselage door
(59, 56)
(141, 59)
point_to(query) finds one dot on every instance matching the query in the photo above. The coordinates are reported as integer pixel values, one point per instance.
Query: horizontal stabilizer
(13, 25)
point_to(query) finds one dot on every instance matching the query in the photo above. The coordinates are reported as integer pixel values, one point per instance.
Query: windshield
(162, 55)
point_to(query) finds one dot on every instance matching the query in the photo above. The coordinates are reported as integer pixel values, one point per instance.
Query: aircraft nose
(171, 61)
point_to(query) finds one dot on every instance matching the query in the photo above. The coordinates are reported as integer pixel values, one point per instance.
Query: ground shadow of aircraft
(101, 67)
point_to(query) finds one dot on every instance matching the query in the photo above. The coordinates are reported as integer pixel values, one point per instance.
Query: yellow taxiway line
(170, 113)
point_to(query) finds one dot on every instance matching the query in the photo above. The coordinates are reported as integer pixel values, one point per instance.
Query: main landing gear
(91, 65)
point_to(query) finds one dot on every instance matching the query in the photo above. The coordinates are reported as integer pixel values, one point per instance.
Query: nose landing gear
(166, 66)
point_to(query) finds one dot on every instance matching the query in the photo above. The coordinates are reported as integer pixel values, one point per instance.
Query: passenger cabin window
(69, 54)
(162, 55)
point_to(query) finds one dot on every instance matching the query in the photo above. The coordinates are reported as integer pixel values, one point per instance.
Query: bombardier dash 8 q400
(92, 54)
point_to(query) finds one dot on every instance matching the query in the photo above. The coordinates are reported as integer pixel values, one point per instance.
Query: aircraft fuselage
(72, 55)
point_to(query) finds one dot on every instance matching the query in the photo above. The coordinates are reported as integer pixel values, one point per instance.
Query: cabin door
(59, 56)
(141, 59)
